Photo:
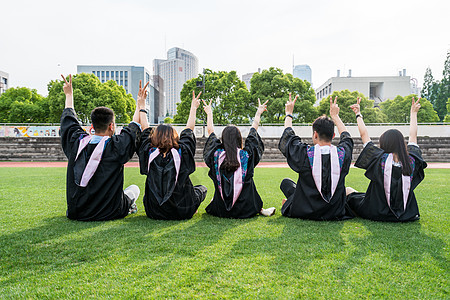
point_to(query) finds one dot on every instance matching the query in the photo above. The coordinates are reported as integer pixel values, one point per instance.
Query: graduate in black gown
(231, 168)
(168, 160)
(95, 168)
(319, 193)
(394, 170)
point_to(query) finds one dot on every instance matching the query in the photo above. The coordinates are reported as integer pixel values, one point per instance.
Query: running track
(63, 164)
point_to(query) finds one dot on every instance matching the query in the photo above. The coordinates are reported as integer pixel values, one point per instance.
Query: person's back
(168, 161)
(231, 168)
(320, 191)
(94, 187)
(394, 170)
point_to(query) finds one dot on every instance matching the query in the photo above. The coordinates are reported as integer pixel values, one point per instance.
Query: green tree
(89, 93)
(346, 98)
(275, 86)
(22, 105)
(398, 110)
(428, 86)
(447, 117)
(443, 90)
(230, 98)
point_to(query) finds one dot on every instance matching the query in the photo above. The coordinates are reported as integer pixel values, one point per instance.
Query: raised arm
(68, 90)
(289, 110)
(261, 108)
(192, 115)
(361, 126)
(334, 113)
(415, 106)
(140, 114)
(209, 116)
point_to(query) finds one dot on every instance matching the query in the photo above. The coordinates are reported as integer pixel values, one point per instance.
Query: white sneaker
(268, 211)
(133, 208)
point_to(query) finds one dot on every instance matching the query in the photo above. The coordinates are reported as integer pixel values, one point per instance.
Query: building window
(121, 81)
(98, 74)
(126, 82)
(93, 72)
(117, 74)
(121, 73)
(126, 73)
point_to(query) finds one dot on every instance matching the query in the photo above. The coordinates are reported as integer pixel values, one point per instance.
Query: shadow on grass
(61, 244)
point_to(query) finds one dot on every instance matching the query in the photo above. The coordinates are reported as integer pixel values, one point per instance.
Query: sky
(41, 39)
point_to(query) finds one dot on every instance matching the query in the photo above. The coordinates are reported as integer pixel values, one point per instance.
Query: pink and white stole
(238, 184)
(94, 160)
(317, 169)
(406, 182)
(176, 159)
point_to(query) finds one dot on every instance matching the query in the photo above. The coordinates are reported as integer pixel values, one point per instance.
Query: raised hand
(67, 88)
(195, 100)
(261, 107)
(415, 105)
(207, 107)
(334, 107)
(355, 107)
(142, 95)
(289, 107)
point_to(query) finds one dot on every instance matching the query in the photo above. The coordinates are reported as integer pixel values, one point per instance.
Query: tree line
(233, 103)
(24, 105)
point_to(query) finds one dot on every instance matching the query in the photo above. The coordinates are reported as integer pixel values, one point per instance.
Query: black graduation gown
(183, 202)
(249, 202)
(306, 202)
(373, 204)
(103, 197)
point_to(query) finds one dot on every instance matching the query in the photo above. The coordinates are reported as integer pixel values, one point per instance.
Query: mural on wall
(40, 131)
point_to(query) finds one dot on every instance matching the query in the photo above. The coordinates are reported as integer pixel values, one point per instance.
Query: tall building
(129, 77)
(179, 67)
(4, 78)
(377, 88)
(303, 72)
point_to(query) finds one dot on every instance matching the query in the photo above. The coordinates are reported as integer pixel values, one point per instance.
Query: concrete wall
(49, 149)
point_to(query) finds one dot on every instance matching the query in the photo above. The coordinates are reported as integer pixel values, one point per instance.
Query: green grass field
(45, 255)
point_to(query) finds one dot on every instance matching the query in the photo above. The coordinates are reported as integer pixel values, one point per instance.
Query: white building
(128, 77)
(179, 67)
(303, 72)
(378, 88)
(4, 81)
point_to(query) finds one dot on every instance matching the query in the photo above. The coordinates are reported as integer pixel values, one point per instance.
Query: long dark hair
(164, 138)
(231, 140)
(392, 141)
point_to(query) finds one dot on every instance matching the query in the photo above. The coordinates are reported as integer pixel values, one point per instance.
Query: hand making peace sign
(355, 107)
(195, 100)
(334, 107)
(142, 94)
(261, 107)
(67, 88)
(289, 107)
(415, 105)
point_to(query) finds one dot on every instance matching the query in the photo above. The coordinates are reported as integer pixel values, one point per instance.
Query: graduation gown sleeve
(144, 146)
(293, 149)
(70, 130)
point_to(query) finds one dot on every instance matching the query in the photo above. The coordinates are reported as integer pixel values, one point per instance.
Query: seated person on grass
(231, 168)
(320, 191)
(168, 160)
(94, 185)
(394, 171)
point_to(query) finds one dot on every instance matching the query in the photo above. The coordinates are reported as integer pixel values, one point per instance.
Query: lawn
(45, 255)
